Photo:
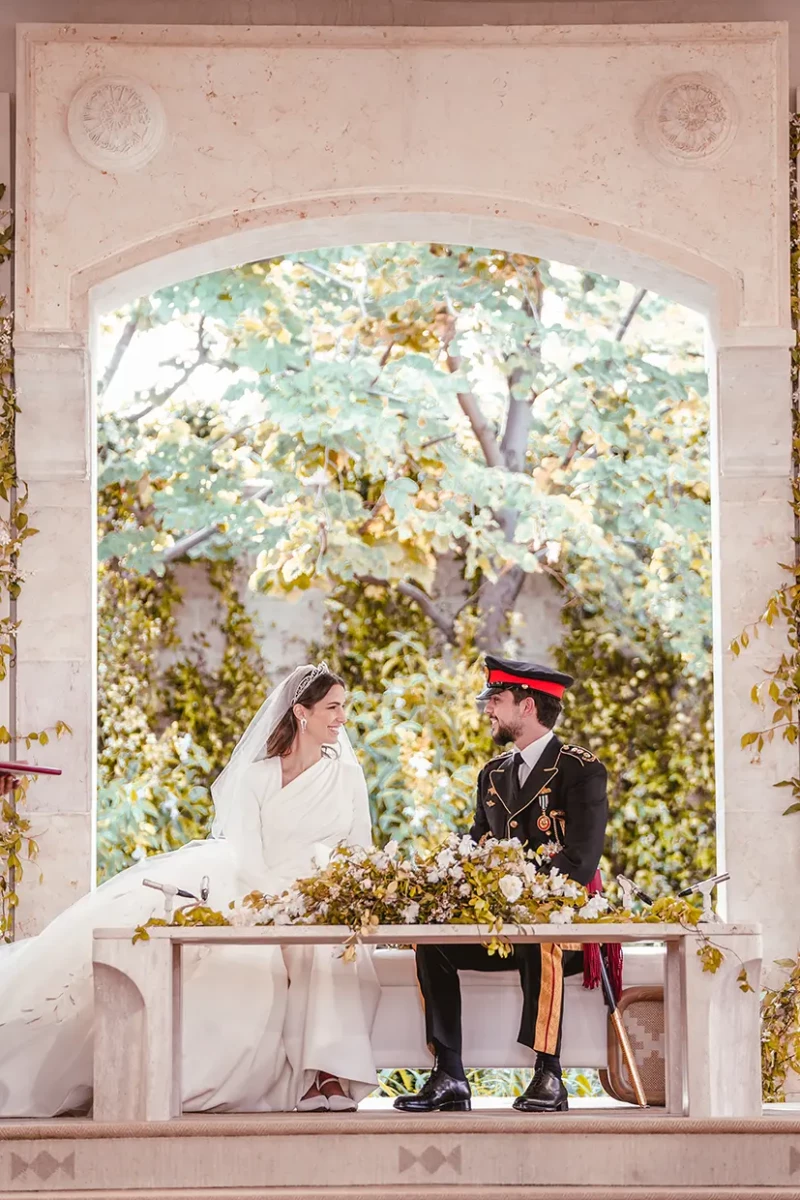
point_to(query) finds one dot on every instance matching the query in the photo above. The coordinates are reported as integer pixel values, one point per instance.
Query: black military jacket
(563, 800)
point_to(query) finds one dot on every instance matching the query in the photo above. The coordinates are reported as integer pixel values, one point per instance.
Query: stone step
(606, 1154)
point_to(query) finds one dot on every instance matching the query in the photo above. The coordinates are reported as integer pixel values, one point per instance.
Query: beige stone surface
(466, 1154)
(223, 165)
(712, 1026)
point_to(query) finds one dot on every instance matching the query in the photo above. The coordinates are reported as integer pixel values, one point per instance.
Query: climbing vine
(167, 719)
(780, 689)
(16, 841)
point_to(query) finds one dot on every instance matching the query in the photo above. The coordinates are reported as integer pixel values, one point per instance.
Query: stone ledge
(623, 1157)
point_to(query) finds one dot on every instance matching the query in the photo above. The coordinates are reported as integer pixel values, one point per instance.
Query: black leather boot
(439, 1093)
(544, 1093)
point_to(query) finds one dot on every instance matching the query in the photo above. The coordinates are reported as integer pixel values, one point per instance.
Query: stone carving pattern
(691, 117)
(432, 1159)
(43, 1165)
(116, 123)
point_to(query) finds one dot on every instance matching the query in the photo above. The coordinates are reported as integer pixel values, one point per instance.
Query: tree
(358, 415)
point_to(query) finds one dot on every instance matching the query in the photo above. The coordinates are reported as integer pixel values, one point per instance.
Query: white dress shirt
(531, 755)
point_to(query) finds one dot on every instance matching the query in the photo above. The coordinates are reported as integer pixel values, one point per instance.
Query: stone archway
(656, 153)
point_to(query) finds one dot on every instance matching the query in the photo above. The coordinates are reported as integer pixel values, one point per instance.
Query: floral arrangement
(493, 884)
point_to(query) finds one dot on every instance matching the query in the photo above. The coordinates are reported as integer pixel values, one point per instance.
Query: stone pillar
(753, 533)
(55, 665)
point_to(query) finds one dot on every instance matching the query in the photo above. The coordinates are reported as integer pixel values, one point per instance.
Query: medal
(543, 822)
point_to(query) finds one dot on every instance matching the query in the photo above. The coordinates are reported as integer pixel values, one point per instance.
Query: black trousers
(541, 967)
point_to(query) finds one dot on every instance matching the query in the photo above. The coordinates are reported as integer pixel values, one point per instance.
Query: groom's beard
(502, 734)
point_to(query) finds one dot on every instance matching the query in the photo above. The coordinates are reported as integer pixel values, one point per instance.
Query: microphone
(169, 892)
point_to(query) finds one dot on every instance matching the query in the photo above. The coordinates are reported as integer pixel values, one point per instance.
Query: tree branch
(630, 314)
(162, 397)
(572, 450)
(193, 540)
(482, 428)
(123, 342)
(442, 622)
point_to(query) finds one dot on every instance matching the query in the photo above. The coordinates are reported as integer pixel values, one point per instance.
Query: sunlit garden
(449, 450)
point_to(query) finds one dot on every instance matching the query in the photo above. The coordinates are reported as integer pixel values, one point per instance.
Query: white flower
(561, 916)
(366, 885)
(434, 876)
(296, 906)
(419, 764)
(466, 846)
(571, 890)
(465, 890)
(456, 872)
(244, 916)
(530, 872)
(511, 887)
(593, 908)
(390, 850)
(556, 883)
(539, 891)
(445, 859)
(410, 913)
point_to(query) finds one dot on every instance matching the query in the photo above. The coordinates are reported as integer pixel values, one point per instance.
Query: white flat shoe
(336, 1101)
(341, 1103)
(313, 1104)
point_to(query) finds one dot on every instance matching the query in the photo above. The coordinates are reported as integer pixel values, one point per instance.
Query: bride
(265, 1028)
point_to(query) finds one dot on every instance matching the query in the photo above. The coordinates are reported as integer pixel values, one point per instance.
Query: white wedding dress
(258, 1021)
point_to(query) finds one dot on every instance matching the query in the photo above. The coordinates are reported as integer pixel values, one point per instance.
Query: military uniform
(562, 802)
(560, 808)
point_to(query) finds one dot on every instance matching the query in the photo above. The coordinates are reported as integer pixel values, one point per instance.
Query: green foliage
(524, 421)
(487, 1082)
(422, 740)
(651, 724)
(213, 707)
(414, 722)
(164, 733)
(780, 1032)
(780, 689)
(16, 844)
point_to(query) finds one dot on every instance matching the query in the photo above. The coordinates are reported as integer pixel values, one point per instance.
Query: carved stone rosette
(690, 118)
(116, 123)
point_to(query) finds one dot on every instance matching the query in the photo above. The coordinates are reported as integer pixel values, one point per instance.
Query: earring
(303, 723)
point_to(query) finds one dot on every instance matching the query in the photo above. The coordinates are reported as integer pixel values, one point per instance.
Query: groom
(553, 798)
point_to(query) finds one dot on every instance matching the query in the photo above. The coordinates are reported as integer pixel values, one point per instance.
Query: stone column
(55, 666)
(753, 533)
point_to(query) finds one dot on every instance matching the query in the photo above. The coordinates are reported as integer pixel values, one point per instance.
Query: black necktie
(518, 761)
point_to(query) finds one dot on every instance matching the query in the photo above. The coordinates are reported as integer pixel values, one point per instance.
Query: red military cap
(504, 673)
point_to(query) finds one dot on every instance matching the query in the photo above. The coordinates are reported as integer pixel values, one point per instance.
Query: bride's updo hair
(279, 742)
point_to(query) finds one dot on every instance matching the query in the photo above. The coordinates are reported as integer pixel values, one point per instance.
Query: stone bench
(398, 1036)
(712, 1043)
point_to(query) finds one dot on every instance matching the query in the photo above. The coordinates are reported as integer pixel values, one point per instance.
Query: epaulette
(579, 752)
(505, 757)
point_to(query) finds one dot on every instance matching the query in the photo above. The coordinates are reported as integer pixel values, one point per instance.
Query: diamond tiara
(307, 680)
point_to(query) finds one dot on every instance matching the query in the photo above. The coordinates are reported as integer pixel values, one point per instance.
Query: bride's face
(326, 717)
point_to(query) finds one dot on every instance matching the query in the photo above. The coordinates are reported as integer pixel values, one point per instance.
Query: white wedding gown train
(258, 1021)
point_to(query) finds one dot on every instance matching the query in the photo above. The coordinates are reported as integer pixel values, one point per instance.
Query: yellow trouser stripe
(548, 1017)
